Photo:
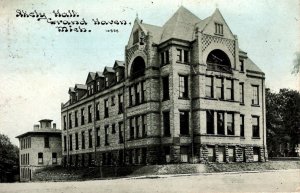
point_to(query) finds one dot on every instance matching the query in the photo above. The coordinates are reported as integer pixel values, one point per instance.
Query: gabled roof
(90, 77)
(80, 86)
(119, 64)
(181, 25)
(203, 23)
(155, 31)
(99, 74)
(108, 70)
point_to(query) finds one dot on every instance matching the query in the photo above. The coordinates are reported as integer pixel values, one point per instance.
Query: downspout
(95, 137)
(263, 115)
(124, 125)
(191, 108)
(67, 137)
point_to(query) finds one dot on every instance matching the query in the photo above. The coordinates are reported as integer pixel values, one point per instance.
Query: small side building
(39, 148)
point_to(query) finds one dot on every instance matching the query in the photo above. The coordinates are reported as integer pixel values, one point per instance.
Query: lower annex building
(186, 92)
(39, 148)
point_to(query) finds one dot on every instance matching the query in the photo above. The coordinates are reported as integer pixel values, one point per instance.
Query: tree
(9, 159)
(283, 120)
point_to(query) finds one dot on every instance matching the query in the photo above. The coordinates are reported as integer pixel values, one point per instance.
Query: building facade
(186, 92)
(39, 148)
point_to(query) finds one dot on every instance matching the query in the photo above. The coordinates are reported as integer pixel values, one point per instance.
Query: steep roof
(108, 69)
(155, 31)
(251, 66)
(119, 63)
(80, 86)
(99, 74)
(181, 25)
(90, 77)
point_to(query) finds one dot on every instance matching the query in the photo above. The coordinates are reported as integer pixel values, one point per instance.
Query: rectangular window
(137, 93)
(98, 136)
(209, 86)
(185, 56)
(210, 122)
(143, 89)
(106, 108)
(131, 125)
(118, 76)
(70, 120)
(98, 111)
(120, 97)
(183, 86)
(113, 101)
(131, 91)
(255, 100)
(165, 57)
(98, 86)
(166, 122)
(76, 118)
(121, 140)
(184, 122)
(46, 142)
(106, 134)
(82, 116)
(230, 124)
(144, 123)
(242, 127)
(241, 93)
(82, 140)
(65, 122)
(90, 114)
(76, 141)
(255, 126)
(218, 29)
(179, 55)
(137, 127)
(184, 154)
(54, 158)
(65, 143)
(70, 142)
(92, 89)
(165, 81)
(241, 65)
(106, 82)
(162, 58)
(229, 89)
(220, 123)
(113, 128)
(219, 88)
(40, 158)
(90, 138)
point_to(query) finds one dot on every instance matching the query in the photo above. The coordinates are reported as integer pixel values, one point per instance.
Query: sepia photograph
(181, 96)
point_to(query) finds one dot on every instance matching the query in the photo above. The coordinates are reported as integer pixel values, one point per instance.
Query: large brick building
(186, 92)
(39, 148)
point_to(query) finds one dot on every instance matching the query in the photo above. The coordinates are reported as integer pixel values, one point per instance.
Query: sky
(38, 64)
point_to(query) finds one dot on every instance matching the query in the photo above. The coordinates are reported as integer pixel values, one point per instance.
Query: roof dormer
(109, 75)
(119, 68)
(80, 90)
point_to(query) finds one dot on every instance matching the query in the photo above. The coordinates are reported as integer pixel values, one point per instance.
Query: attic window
(217, 60)
(135, 37)
(218, 28)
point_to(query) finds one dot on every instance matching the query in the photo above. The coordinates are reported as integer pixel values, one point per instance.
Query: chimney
(36, 127)
(54, 125)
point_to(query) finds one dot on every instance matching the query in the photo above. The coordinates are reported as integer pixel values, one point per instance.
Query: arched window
(137, 68)
(217, 60)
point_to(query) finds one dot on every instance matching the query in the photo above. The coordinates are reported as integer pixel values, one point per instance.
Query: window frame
(183, 86)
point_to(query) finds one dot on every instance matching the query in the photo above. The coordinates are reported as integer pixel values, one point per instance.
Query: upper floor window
(182, 56)
(165, 85)
(165, 57)
(98, 111)
(76, 141)
(98, 85)
(117, 76)
(241, 65)
(218, 29)
(70, 142)
(65, 143)
(242, 127)
(90, 113)
(137, 68)
(241, 89)
(106, 82)
(46, 142)
(217, 60)
(220, 123)
(219, 88)
(209, 86)
(144, 125)
(229, 89)
(183, 86)
(255, 99)
(106, 108)
(166, 121)
(106, 134)
(143, 89)
(120, 99)
(70, 120)
(121, 140)
(76, 118)
(65, 122)
(92, 89)
(90, 138)
(98, 136)
(82, 140)
(210, 122)
(82, 116)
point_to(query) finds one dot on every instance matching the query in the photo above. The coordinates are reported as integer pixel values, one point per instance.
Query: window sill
(219, 34)
(255, 137)
(242, 137)
(210, 98)
(242, 72)
(165, 99)
(184, 135)
(184, 98)
(242, 104)
(255, 105)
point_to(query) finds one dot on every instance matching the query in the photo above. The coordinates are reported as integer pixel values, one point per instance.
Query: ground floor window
(211, 154)
(184, 154)
(221, 154)
(256, 154)
(231, 154)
